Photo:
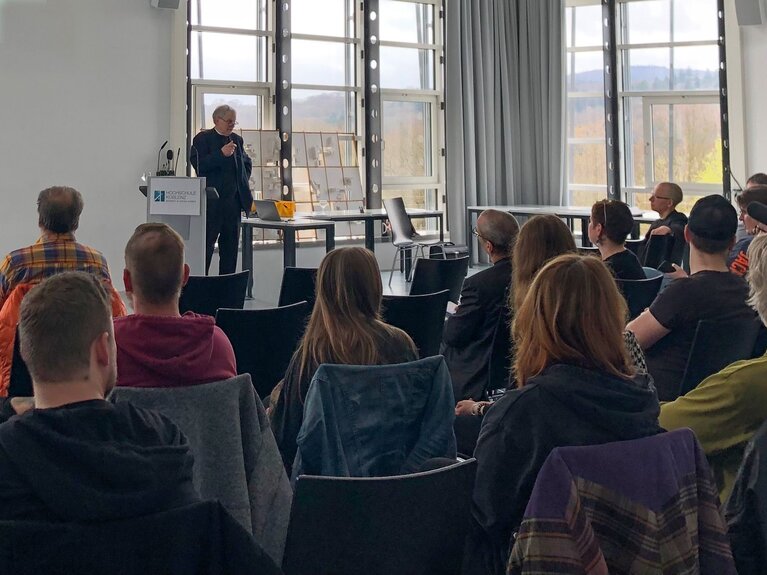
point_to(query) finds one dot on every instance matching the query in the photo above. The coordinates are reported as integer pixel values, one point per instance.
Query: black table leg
(441, 228)
(469, 239)
(330, 238)
(585, 241)
(247, 255)
(289, 247)
(370, 240)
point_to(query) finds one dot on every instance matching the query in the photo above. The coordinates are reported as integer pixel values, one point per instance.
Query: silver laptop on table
(267, 211)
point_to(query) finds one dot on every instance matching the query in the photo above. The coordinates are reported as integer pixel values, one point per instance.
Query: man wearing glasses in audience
(469, 333)
(218, 155)
(666, 196)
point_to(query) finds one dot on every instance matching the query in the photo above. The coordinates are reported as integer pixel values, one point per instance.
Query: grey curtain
(504, 105)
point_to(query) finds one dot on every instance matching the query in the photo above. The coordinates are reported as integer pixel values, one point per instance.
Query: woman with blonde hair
(540, 239)
(345, 328)
(577, 386)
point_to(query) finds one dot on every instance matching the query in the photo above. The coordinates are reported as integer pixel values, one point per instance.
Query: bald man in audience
(468, 334)
(666, 196)
(156, 345)
(76, 457)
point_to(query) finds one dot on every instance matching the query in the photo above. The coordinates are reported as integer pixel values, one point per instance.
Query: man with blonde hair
(77, 457)
(156, 345)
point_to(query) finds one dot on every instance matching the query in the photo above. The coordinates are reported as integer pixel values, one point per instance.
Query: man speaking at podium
(219, 156)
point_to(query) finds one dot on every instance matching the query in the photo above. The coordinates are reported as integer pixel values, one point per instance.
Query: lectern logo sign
(159, 195)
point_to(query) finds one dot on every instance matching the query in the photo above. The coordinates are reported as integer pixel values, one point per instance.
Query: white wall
(86, 103)
(754, 53)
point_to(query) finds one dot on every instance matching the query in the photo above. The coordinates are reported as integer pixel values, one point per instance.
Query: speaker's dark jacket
(230, 175)
(467, 340)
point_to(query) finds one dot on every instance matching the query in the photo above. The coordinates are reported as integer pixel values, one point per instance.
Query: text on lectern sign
(174, 196)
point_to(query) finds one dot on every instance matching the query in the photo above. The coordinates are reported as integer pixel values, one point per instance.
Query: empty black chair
(402, 232)
(431, 276)
(716, 345)
(408, 524)
(639, 294)
(205, 294)
(264, 340)
(20, 384)
(658, 250)
(298, 284)
(422, 317)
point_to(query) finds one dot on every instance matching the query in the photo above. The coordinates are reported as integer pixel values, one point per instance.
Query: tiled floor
(398, 287)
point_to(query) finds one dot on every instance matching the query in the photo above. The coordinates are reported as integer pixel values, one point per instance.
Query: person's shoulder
(139, 420)
(677, 217)
(398, 342)
(202, 135)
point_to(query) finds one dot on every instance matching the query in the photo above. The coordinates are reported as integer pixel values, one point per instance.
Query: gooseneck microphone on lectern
(158, 156)
(167, 167)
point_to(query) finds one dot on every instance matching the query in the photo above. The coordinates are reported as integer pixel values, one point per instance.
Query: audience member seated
(345, 328)
(745, 510)
(666, 330)
(737, 261)
(156, 346)
(76, 457)
(727, 408)
(576, 387)
(610, 224)
(666, 196)
(541, 239)
(55, 251)
(469, 332)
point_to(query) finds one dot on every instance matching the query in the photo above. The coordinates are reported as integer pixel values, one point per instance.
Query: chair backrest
(374, 421)
(499, 374)
(264, 340)
(205, 294)
(434, 275)
(651, 272)
(635, 246)
(589, 251)
(716, 345)
(21, 382)
(590, 505)
(236, 459)
(406, 524)
(639, 294)
(401, 226)
(658, 250)
(205, 539)
(298, 284)
(422, 317)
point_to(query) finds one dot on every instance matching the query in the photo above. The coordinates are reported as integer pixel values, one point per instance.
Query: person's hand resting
(661, 231)
(469, 407)
(677, 273)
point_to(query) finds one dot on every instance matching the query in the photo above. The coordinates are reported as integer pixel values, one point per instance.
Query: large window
(232, 61)
(668, 84)
(411, 98)
(586, 168)
(669, 99)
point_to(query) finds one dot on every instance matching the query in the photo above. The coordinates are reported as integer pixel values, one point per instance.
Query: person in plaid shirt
(56, 250)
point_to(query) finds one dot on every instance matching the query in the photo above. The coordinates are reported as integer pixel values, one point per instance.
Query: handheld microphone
(158, 155)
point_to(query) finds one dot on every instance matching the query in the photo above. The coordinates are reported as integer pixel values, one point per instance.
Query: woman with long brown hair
(577, 386)
(345, 327)
(540, 239)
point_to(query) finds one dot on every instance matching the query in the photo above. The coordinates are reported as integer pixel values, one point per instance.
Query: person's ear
(127, 281)
(100, 348)
(687, 234)
(185, 278)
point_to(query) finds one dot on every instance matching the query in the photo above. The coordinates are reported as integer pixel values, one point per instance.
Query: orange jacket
(9, 319)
